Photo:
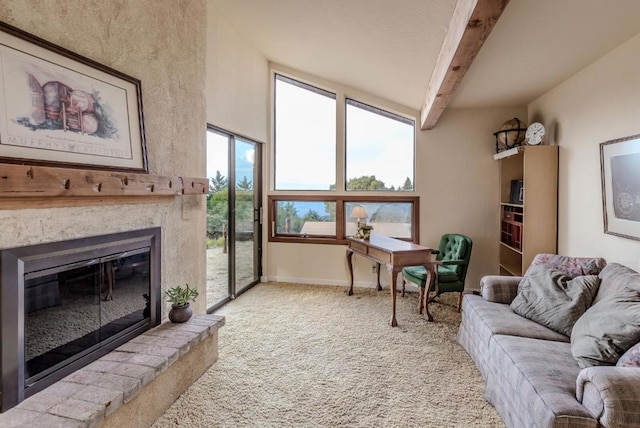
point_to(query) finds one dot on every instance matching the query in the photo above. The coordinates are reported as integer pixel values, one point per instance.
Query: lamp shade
(359, 212)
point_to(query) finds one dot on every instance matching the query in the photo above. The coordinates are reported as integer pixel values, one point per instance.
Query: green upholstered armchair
(454, 253)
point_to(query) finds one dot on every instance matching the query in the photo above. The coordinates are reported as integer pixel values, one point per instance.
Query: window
(321, 146)
(379, 149)
(305, 136)
(321, 219)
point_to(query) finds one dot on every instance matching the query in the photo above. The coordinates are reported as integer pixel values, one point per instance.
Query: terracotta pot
(179, 314)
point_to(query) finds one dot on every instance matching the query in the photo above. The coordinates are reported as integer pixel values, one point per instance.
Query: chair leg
(459, 302)
(403, 282)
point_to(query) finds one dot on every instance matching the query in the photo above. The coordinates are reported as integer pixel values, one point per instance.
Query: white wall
(162, 43)
(598, 104)
(237, 80)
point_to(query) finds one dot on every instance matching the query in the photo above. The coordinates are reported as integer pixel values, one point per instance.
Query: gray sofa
(531, 376)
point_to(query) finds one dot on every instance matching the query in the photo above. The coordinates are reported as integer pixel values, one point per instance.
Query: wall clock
(535, 134)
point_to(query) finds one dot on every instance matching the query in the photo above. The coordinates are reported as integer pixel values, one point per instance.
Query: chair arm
(499, 289)
(452, 262)
(612, 394)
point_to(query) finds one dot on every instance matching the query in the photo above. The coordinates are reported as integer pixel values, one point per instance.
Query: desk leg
(427, 287)
(393, 272)
(350, 264)
(378, 276)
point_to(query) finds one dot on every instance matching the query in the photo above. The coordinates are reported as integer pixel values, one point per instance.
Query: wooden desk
(394, 254)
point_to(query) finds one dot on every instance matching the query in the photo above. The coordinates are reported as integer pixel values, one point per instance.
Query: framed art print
(58, 108)
(620, 171)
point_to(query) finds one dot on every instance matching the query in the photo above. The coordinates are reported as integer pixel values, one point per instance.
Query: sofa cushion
(551, 298)
(631, 358)
(496, 318)
(535, 380)
(607, 329)
(614, 277)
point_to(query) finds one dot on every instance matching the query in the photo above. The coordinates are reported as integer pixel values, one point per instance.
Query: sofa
(532, 376)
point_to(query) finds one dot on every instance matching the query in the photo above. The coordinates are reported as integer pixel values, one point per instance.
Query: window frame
(340, 200)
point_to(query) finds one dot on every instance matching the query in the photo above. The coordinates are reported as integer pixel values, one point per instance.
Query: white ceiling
(389, 47)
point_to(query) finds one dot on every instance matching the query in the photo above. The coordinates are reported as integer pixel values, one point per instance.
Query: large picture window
(305, 136)
(339, 161)
(379, 149)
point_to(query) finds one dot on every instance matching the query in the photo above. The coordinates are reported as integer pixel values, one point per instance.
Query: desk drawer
(358, 247)
(382, 256)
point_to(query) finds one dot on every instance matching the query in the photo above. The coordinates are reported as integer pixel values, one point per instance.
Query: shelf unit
(528, 228)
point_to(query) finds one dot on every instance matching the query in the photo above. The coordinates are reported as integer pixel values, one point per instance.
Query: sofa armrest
(612, 394)
(499, 289)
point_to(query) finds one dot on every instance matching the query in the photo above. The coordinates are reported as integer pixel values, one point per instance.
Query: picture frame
(620, 172)
(516, 192)
(58, 108)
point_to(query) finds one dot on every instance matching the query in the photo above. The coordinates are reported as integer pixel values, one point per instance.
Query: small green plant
(179, 296)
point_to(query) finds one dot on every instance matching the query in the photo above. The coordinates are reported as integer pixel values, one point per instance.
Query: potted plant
(179, 298)
(365, 231)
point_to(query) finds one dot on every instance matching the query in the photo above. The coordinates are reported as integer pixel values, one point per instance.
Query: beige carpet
(310, 356)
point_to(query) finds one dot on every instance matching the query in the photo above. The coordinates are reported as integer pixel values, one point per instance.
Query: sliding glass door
(233, 216)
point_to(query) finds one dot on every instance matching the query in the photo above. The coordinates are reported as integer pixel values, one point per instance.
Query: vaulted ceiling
(390, 47)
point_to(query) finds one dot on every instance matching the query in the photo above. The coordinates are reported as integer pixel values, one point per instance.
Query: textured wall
(162, 43)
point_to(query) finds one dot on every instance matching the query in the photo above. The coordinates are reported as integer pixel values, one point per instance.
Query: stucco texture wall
(162, 43)
(598, 104)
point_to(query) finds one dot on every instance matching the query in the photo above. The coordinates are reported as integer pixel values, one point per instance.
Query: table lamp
(359, 213)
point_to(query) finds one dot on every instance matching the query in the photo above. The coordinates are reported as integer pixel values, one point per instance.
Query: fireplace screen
(78, 300)
(70, 309)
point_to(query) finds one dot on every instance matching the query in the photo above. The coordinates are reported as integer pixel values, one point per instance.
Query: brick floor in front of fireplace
(87, 396)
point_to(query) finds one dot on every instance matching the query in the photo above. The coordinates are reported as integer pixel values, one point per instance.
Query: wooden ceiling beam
(470, 25)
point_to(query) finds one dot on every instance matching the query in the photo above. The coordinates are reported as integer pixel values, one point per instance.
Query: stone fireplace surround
(131, 385)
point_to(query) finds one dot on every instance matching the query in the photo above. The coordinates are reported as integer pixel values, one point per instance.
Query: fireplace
(65, 304)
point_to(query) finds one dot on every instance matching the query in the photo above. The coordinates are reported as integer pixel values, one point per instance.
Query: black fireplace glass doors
(69, 310)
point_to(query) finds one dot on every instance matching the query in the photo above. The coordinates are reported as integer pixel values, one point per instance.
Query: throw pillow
(631, 358)
(607, 329)
(553, 299)
(572, 266)
(615, 277)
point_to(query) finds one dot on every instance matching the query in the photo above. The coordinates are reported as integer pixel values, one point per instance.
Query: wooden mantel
(24, 186)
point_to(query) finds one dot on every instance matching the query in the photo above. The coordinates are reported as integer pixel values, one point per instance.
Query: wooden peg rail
(23, 181)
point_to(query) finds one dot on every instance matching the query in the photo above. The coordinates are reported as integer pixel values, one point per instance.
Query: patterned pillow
(572, 266)
(631, 358)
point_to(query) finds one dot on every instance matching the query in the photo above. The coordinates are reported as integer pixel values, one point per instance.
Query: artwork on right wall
(620, 169)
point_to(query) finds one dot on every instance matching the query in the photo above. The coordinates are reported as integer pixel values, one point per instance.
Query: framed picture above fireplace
(58, 108)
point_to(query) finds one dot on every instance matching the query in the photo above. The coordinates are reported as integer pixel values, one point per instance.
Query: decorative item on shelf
(511, 134)
(516, 195)
(535, 134)
(365, 231)
(180, 307)
(359, 213)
